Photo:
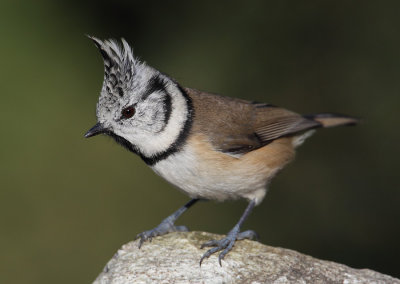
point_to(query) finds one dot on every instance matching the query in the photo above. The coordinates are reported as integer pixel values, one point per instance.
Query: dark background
(67, 204)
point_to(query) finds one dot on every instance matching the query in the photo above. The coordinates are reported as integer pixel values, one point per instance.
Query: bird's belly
(188, 172)
(202, 172)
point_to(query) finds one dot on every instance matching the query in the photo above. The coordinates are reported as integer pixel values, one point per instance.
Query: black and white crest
(120, 66)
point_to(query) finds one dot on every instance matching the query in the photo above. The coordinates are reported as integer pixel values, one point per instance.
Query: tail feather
(332, 120)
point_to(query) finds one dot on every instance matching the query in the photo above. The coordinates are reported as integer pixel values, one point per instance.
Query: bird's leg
(167, 225)
(227, 243)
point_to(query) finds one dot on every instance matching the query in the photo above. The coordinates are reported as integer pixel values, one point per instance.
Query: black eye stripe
(155, 84)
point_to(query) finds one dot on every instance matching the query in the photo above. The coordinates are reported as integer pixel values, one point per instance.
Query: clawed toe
(162, 229)
(226, 244)
(181, 229)
(208, 253)
(145, 236)
(210, 243)
(249, 235)
(167, 225)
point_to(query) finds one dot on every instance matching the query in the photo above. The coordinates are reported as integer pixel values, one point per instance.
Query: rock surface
(174, 258)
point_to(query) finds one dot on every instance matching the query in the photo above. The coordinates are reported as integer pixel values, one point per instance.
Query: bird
(210, 147)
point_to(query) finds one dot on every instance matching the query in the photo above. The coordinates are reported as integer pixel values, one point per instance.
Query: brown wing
(274, 122)
(237, 126)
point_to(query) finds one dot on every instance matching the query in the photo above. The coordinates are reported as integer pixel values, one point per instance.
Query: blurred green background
(67, 204)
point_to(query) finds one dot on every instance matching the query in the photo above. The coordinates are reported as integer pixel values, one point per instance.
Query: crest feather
(119, 64)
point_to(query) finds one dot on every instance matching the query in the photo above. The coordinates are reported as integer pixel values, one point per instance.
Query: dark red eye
(128, 112)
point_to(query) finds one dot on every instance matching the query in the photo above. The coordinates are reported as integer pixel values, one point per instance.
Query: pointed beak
(95, 130)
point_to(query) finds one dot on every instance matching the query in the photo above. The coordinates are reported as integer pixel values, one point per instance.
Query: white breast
(200, 177)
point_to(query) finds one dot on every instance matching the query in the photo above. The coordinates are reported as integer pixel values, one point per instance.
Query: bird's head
(141, 108)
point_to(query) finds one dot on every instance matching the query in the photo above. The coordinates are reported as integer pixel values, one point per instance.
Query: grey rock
(174, 258)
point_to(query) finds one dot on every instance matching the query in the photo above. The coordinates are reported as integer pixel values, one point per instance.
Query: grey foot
(164, 228)
(226, 243)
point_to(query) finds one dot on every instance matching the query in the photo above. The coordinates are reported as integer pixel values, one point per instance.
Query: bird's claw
(164, 228)
(226, 244)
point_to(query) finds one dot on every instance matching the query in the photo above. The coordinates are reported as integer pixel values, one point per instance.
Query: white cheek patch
(150, 121)
(152, 143)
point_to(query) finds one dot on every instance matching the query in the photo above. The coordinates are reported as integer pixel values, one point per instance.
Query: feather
(237, 126)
